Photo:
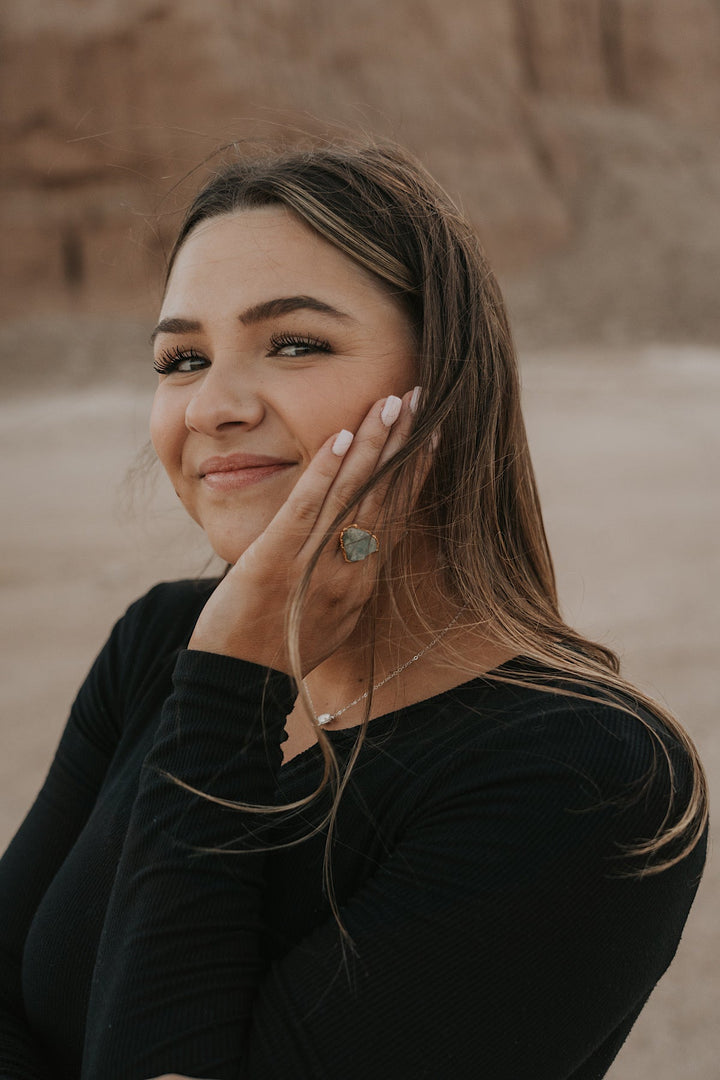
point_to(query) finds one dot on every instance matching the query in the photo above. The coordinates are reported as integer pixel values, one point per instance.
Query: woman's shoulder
(519, 698)
(580, 758)
(535, 713)
(136, 660)
(170, 598)
(166, 613)
(143, 645)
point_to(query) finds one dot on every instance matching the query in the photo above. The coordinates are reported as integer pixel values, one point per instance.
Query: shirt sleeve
(42, 843)
(498, 939)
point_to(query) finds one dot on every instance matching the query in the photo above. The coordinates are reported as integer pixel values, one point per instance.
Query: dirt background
(580, 135)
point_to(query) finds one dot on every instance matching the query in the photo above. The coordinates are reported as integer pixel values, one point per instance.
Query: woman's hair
(479, 503)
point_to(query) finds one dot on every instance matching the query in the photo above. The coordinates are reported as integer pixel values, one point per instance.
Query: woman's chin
(230, 542)
(230, 552)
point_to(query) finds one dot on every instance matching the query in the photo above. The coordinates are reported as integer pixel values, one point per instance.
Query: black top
(475, 867)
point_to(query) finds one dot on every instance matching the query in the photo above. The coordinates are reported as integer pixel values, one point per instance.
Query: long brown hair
(479, 503)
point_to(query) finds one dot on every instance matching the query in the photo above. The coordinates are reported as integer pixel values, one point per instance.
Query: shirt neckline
(380, 725)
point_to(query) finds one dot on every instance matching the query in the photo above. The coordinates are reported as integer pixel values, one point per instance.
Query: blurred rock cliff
(581, 136)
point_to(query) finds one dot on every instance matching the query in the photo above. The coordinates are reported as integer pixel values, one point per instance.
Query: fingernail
(434, 440)
(415, 399)
(391, 410)
(342, 442)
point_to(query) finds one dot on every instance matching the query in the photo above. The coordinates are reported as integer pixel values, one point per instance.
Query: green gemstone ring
(356, 543)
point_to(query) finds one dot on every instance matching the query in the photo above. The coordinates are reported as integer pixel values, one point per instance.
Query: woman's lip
(233, 462)
(233, 479)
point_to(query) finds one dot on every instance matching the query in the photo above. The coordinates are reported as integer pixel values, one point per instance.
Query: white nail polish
(342, 442)
(415, 399)
(391, 410)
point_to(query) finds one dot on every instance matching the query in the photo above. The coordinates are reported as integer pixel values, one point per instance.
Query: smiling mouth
(229, 478)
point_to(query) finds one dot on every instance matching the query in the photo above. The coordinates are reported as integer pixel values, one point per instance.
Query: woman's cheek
(164, 433)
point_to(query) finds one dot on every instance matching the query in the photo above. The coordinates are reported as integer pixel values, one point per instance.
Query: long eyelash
(167, 361)
(281, 341)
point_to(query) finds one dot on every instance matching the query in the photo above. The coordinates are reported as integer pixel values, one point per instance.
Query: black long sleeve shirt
(495, 930)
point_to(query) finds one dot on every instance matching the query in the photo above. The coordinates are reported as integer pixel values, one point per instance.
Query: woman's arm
(131, 659)
(28, 867)
(42, 844)
(180, 956)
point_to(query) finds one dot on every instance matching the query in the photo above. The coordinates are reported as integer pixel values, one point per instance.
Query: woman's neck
(413, 655)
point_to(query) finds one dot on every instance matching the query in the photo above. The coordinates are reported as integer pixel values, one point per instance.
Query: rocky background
(581, 136)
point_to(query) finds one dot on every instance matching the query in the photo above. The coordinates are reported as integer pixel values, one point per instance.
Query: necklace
(327, 718)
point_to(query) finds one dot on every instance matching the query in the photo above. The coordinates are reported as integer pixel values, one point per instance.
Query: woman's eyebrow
(176, 326)
(283, 305)
(267, 309)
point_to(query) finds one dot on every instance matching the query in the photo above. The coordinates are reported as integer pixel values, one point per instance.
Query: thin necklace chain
(327, 718)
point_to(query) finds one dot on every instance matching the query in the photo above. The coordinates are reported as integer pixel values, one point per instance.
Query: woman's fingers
(339, 468)
(360, 462)
(373, 507)
(371, 513)
(298, 517)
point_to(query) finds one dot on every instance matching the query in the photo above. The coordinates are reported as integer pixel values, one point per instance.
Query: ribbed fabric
(475, 866)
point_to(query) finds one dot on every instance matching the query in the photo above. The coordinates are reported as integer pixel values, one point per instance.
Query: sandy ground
(626, 447)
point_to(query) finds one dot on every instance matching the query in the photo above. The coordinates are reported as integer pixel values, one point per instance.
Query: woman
(365, 806)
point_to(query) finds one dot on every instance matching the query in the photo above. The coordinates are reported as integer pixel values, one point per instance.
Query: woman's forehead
(262, 248)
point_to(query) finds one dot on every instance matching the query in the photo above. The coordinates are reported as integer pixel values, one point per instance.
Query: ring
(356, 543)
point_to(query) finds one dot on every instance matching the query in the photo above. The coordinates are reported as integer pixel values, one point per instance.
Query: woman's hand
(246, 615)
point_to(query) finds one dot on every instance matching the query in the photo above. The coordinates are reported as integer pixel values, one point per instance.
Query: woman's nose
(223, 398)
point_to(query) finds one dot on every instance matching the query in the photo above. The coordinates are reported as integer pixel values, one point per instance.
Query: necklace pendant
(326, 717)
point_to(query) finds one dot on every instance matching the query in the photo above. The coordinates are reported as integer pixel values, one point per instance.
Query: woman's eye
(295, 346)
(179, 359)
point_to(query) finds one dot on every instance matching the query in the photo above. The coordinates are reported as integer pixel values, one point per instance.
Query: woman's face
(270, 340)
